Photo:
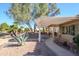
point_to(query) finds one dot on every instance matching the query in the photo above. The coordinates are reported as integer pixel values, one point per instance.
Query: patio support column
(53, 31)
(39, 36)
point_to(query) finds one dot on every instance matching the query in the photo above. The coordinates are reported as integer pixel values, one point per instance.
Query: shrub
(20, 39)
(76, 40)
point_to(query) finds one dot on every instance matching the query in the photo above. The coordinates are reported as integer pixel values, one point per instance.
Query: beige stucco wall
(72, 23)
(77, 29)
(53, 29)
(67, 36)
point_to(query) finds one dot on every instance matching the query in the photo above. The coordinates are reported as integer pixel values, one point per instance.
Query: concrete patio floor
(41, 50)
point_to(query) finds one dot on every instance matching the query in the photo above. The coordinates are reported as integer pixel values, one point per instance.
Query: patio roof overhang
(46, 21)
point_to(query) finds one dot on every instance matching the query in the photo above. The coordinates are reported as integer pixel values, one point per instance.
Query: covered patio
(53, 23)
(62, 28)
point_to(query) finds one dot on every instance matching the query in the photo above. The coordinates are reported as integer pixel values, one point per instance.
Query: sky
(3, 16)
(66, 9)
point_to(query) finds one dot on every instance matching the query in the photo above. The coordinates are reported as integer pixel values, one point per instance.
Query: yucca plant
(21, 39)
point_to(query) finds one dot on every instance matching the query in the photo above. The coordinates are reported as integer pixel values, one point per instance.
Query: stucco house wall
(67, 36)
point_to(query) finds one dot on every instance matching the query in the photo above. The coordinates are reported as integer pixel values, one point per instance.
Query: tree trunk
(28, 24)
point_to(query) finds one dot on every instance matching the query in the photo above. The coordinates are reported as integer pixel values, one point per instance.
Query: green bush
(76, 40)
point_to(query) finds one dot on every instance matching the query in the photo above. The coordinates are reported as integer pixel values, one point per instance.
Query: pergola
(46, 21)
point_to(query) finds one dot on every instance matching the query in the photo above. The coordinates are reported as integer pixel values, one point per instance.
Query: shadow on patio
(40, 50)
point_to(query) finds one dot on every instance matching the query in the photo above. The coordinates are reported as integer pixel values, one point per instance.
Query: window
(73, 30)
(69, 30)
(62, 30)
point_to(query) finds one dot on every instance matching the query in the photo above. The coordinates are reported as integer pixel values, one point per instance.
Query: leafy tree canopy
(4, 26)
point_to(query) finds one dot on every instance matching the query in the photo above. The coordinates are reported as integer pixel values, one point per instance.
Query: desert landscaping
(10, 48)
